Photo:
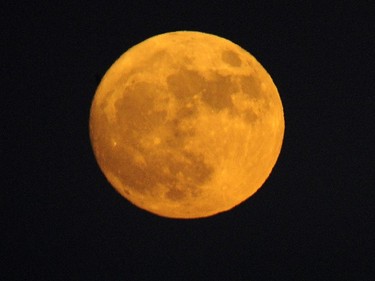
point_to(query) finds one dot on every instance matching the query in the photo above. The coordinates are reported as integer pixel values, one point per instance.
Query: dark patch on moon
(175, 194)
(231, 58)
(180, 173)
(250, 116)
(251, 86)
(179, 133)
(215, 93)
(185, 84)
(135, 110)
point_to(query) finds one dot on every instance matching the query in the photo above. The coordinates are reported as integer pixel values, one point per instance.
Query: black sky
(312, 220)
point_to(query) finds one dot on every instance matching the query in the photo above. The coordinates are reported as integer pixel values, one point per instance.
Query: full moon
(186, 125)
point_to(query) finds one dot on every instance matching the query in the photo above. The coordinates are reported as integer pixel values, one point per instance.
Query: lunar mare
(186, 125)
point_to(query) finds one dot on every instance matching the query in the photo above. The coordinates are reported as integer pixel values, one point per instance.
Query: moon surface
(186, 125)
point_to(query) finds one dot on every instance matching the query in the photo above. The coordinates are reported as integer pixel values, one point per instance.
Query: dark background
(312, 220)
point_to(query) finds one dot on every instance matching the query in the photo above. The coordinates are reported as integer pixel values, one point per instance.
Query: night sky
(313, 219)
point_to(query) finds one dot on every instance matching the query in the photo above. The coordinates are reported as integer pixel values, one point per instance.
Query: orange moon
(186, 125)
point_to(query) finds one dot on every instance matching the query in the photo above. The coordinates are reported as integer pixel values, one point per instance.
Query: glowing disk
(186, 125)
